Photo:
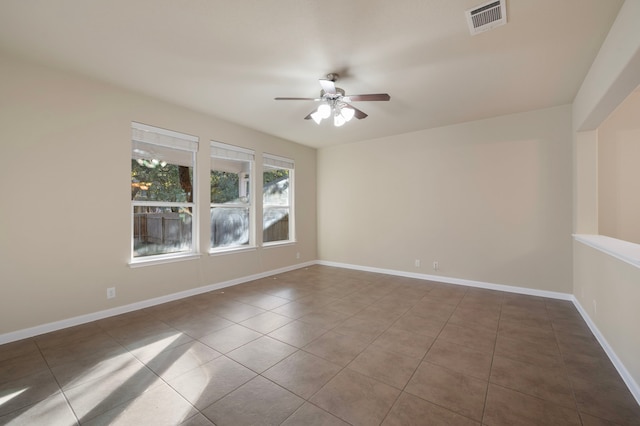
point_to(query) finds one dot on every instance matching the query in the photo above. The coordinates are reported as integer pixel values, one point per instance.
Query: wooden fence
(278, 231)
(161, 228)
(170, 229)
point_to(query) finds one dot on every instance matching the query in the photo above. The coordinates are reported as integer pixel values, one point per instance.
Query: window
(162, 192)
(277, 199)
(231, 193)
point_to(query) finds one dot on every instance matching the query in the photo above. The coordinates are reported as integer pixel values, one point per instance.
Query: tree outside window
(162, 192)
(231, 203)
(277, 195)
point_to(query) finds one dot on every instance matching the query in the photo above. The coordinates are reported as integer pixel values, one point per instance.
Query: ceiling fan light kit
(323, 111)
(341, 113)
(336, 103)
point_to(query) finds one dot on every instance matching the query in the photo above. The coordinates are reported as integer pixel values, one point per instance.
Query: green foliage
(274, 175)
(224, 187)
(161, 183)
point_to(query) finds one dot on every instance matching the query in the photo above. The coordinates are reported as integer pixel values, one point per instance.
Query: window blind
(162, 137)
(275, 161)
(231, 152)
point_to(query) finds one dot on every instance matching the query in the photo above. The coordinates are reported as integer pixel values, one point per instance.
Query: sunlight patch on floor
(6, 398)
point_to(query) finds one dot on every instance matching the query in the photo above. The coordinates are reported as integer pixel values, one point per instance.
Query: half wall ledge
(622, 250)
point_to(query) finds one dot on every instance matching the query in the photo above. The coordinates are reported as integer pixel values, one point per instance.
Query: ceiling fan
(335, 102)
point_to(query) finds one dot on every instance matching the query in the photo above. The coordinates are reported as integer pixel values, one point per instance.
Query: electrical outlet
(417, 263)
(297, 255)
(111, 292)
(436, 266)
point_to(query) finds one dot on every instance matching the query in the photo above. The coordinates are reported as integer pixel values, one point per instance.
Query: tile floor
(322, 346)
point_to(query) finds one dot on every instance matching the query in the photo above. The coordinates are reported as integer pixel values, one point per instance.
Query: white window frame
(175, 141)
(270, 161)
(224, 151)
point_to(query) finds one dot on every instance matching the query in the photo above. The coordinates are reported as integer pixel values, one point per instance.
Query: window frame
(227, 152)
(275, 162)
(171, 140)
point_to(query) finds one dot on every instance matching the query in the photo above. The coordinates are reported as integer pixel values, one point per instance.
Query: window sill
(278, 244)
(232, 250)
(623, 250)
(160, 260)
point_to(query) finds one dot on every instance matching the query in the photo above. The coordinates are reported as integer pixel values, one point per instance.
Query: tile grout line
(493, 355)
(62, 392)
(423, 360)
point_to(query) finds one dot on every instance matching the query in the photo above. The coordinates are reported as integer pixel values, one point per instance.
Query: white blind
(279, 162)
(230, 152)
(162, 137)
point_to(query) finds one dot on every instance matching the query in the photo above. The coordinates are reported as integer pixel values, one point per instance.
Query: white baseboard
(633, 386)
(94, 316)
(456, 281)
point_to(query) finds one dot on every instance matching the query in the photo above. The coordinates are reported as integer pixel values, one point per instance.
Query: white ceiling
(230, 58)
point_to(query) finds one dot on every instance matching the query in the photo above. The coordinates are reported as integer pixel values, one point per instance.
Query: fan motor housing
(339, 93)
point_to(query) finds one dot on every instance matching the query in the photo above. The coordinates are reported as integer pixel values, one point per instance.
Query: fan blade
(328, 86)
(359, 114)
(371, 97)
(297, 99)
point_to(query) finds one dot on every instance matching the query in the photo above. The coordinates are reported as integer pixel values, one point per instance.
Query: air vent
(486, 16)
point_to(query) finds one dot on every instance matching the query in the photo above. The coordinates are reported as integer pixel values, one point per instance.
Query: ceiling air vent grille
(486, 16)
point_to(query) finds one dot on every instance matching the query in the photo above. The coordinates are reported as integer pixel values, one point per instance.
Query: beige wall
(489, 200)
(585, 194)
(65, 216)
(619, 172)
(598, 276)
(608, 289)
(614, 73)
